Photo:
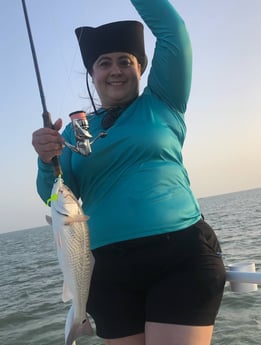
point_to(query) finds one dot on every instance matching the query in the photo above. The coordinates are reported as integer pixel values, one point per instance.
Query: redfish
(75, 258)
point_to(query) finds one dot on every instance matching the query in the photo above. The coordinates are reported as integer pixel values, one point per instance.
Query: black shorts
(175, 278)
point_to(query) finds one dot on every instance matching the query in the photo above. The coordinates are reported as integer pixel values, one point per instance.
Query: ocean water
(31, 309)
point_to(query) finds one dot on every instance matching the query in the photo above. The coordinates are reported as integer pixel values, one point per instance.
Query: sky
(222, 150)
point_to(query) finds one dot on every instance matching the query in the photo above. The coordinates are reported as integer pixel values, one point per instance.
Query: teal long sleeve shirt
(134, 183)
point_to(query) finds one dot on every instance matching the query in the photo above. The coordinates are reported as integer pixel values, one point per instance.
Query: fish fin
(92, 262)
(49, 220)
(78, 218)
(67, 295)
(85, 328)
(73, 330)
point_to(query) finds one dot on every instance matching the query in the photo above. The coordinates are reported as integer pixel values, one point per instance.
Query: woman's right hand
(48, 142)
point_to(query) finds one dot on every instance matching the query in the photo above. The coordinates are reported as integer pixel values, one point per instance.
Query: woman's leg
(160, 333)
(137, 339)
(167, 334)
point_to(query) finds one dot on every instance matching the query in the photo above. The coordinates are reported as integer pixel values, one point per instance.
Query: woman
(158, 276)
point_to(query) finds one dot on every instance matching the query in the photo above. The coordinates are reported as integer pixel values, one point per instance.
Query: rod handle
(57, 170)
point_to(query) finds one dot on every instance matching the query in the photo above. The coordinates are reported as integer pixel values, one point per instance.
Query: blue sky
(222, 151)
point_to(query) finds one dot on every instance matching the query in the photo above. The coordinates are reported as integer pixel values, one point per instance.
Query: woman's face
(116, 78)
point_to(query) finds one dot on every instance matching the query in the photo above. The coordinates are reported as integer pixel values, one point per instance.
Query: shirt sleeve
(171, 70)
(45, 180)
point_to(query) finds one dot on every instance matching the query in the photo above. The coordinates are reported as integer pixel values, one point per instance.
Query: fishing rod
(46, 115)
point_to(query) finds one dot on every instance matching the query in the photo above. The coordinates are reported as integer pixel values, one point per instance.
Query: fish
(71, 234)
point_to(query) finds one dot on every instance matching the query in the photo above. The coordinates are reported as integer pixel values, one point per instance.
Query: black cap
(123, 36)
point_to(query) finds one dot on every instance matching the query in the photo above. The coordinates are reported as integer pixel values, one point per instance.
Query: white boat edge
(243, 277)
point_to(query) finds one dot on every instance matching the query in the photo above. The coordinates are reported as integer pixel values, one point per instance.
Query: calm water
(31, 310)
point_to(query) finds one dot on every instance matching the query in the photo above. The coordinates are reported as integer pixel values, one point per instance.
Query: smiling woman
(114, 55)
(146, 229)
(116, 78)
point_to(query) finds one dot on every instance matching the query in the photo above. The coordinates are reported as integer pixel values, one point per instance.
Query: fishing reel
(82, 135)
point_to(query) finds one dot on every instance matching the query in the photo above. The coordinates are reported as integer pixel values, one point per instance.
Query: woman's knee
(160, 333)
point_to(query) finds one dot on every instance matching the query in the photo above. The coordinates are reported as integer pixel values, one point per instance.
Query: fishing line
(46, 115)
(67, 88)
